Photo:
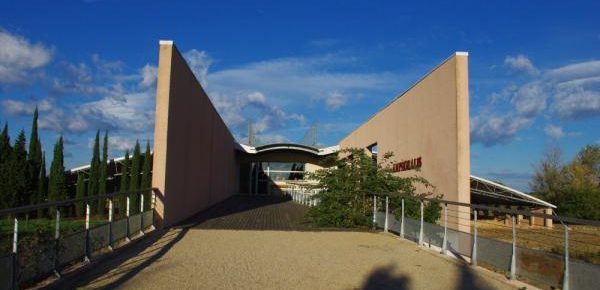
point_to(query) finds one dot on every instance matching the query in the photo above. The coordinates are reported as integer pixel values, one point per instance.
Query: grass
(584, 241)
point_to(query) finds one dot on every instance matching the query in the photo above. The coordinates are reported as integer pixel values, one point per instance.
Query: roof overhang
(488, 188)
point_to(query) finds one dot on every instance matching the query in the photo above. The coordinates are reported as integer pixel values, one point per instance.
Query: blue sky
(88, 65)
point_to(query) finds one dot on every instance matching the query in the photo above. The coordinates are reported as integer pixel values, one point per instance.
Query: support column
(548, 222)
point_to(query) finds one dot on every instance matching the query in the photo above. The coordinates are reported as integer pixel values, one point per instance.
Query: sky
(534, 69)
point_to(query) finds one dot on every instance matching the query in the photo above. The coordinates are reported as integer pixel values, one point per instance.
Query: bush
(347, 188)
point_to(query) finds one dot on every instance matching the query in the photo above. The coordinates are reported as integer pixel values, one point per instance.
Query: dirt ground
(250, 259)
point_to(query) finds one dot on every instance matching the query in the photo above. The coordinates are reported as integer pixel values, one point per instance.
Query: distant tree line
(574, 186)
(25, 181)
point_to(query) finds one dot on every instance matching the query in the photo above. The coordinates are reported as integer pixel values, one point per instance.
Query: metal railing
(100, 234)
(303, 195)
(460, 236)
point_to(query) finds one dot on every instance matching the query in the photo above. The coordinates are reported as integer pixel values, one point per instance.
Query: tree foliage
(134, 179)
(103, 173)
(147, 175)
(124, 185)
(94, 173)
(575, 186)
(347, 188)
(57, 179)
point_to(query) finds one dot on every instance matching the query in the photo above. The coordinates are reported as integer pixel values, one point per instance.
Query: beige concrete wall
(194, 158)
(431, 121)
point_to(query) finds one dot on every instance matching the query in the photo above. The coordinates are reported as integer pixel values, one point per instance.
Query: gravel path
(205, 257)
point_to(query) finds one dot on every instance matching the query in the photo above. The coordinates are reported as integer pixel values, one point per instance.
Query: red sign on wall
(408, 165)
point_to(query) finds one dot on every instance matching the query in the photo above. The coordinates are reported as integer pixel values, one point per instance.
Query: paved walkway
(213, 253)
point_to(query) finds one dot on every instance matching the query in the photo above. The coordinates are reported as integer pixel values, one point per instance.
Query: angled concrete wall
(194, 157)
(430, 120)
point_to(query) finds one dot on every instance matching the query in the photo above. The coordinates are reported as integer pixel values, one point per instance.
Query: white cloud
(554, 132)
(521, 63)
(20, 108)
(293, 81)
(580, 70)
(529, 99)
(335, 100)
(19, 57)
(568, 92)
(490, 130)
(199, 62)
(148, 74)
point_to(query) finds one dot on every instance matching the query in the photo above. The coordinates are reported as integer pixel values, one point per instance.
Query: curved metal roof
(288, 147)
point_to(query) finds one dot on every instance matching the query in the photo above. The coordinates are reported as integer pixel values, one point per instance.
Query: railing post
(153, 206)
(141, 213)
(127, 212)
(421, 226)
(445, 241)
(375, 211)
(387, 209)
(565, 285)
(110, 223)
(513, 258)
(87, 232)
(56, 241)
(474, 249)
(14, 250)
(402, 221)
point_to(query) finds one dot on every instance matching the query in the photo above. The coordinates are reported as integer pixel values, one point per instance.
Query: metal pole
(141, 213)
(445, 241)
(565, 285)
(87, 232)
(474, 250)
(402, 221)
(56, 242)
(387, 210)
(127, 215)
(15, 260)
(374, 211)
(110, 225)
(421, 227)
(513, 258)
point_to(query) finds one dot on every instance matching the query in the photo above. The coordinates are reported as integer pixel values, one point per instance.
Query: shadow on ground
(387, 278)
(116, 268)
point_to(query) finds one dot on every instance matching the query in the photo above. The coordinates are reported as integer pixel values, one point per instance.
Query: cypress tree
(34, 159)
(17, 173)
(5, 148)
(103, 174)
(57, 180)
(94, 174)
(134, 181)
(42, 192)
(146, 174)
(124, 186)
(80, 190)
(5, 154)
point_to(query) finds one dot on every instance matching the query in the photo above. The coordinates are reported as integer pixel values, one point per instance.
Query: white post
(565, 285)
(15, 248)
(56, 242)
(474, 249)
(127, 212)
(421, 227)
(402, 221)
(141, 213)
(445, 241)
(110, 220)
(387, 209)
(375, 211)
(513, 258)
(87, 232)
